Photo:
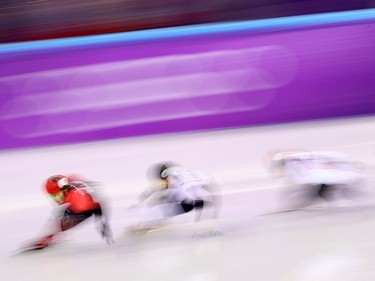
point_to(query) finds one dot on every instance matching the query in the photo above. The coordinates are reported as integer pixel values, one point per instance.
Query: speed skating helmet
(167, 168)
(56, 183)
(159, 170)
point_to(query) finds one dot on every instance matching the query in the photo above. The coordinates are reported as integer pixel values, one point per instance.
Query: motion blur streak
(181, 77)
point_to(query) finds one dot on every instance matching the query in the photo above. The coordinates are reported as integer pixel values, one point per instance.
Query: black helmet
(159, 170)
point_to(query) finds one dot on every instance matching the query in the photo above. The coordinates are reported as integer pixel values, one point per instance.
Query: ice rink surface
(258, 243)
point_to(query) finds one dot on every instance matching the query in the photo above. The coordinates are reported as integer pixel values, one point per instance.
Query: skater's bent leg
(70, 219)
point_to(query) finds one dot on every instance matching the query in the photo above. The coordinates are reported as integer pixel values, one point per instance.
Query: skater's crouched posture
(316, 175)
(80, 205)
(175, 191)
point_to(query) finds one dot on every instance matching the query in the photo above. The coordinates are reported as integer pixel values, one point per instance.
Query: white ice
(334, 243)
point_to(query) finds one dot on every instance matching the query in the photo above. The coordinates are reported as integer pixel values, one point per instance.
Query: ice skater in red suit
(80, 205)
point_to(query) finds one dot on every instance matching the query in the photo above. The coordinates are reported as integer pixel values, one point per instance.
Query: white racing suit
(322, 173)
(183, 191)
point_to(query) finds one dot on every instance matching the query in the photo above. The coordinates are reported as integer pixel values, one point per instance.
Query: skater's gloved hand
(107, 234)
(40, 244)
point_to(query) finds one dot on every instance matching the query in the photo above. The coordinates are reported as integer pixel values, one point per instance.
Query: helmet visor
(58, 197)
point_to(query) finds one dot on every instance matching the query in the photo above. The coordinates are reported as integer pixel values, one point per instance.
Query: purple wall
(104, 92)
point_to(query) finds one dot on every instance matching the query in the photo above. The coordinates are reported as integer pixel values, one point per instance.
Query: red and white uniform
(80, 206)
(80, 200)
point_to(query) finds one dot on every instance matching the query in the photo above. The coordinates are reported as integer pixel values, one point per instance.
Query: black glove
(106, 233)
